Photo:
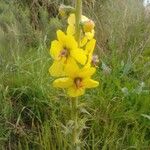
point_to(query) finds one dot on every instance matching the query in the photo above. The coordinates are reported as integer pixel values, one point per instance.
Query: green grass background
(35, 116)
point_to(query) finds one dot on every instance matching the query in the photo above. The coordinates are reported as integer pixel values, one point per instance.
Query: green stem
(75, 136)
(78, 13)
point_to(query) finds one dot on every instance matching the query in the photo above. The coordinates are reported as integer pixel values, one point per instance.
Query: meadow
(36, 116)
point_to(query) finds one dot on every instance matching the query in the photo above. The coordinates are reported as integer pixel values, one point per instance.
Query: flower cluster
(74, 62)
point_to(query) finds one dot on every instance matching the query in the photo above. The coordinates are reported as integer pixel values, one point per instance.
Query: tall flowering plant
(74, 62)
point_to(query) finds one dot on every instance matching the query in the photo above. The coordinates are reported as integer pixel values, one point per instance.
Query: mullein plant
(74, 61)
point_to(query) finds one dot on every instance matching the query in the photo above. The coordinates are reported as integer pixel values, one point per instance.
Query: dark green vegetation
(35, 116)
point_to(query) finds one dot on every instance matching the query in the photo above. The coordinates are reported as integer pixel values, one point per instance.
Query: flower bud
(88, 26)
(95, 60)
(64, 10)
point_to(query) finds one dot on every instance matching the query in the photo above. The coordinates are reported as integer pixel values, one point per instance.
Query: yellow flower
(77, 81)
(71, 29)
(65, 51)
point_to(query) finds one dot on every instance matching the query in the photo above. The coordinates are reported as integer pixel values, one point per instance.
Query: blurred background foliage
(35, 116)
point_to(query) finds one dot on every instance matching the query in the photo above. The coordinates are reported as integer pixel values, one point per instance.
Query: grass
(115, 116)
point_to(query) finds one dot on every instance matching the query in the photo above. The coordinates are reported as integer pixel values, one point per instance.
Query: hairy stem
(78, 13)
(75, 136)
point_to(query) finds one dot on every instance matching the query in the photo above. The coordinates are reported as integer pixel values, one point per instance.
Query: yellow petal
(57, 69)
(61, 36)
(71, 19)
(74, 92)
(79, 55)
(71, 30)
(87, 72)
(63, 83)
(83, 41)
(90, 46)
(89, 83)
(71, 68)
(55, 49)
(90, 35)
(70, 42)
(88, 64)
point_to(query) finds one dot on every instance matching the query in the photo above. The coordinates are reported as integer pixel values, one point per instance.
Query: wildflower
(77, 81)
(88, 28)
(65, 51)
